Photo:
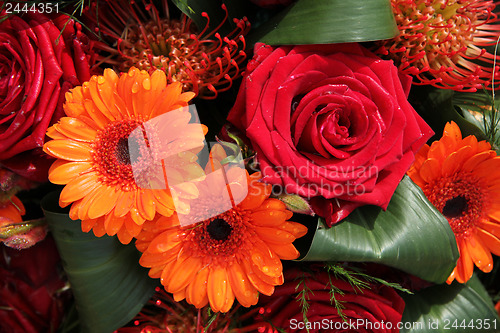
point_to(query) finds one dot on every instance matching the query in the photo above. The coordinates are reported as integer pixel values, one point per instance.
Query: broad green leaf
(455, 308)
(109, 286)
(330, 21)
(411, 235)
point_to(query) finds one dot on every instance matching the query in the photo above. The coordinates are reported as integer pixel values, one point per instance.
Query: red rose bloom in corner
(329, 122)
(378, 308)
(33, 296)
(41, 58)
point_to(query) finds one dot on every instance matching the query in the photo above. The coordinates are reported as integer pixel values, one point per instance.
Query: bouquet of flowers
(249, 166)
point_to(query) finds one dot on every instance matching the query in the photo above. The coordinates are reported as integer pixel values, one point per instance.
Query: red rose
(38, 65)
(377, 308)
(32, 296)
(329, 122)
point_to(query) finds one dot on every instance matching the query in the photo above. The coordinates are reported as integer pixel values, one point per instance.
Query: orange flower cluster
(235, 235)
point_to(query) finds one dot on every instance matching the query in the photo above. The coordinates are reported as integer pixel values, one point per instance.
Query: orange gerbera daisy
(111, 192)
(461, 178)
(234, 254)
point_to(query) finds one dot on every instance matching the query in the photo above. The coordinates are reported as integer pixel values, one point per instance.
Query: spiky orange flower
(461, 178)
(92, 145)
(441, 42)
(140, 35)
(233, 254)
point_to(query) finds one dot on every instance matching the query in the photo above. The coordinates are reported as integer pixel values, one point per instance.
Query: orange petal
(430, 170)
(98, 228)
(149, 259)
(78, 188)
(268, 262)
(75, 129)
(269, 218)
(492, 227)
(179, 295)
(124, 236)
(167, 272)
(272, 204)
(452, 276)
(124, 203)
(261, 286)
(146, 204)
(136, 216)
(243, 289)
(62, 172)
(132, 228)
(474, 161)
(479, 254)
(274, 235)
(113, 224)
(197, 290)
(103, 202)
(185, 271)
(165, 241)
(255, 197)
(97, 116)
(68, 150)
(53, 134)
(217, 288)
(155, 272)
(455, 160)
(489, 169)
(437, 151)
(87, 225)
(490, 241)
(465, 265)
(229, 300)
(284, 251)
(93, 84)
(296, 229)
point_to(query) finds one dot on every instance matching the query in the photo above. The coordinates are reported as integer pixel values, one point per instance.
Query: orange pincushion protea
(460, 177)
(140, 34)
(92, 145)
(442, 42)
(235, 254)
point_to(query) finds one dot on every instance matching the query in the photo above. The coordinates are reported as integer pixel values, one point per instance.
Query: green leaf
(411, 235)
(454, 308)
(330, 21)
(437, 108)
(109, 286)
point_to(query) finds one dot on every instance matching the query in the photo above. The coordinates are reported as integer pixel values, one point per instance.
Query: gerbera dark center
(455, 207)
(122, 151)
(111, 154)
(461, 198)
(220, 239)
(219, 229)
